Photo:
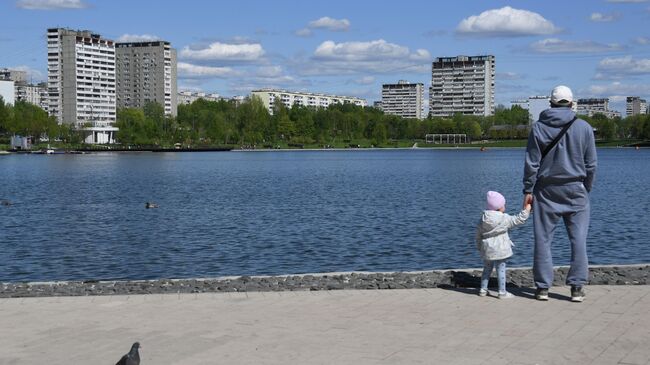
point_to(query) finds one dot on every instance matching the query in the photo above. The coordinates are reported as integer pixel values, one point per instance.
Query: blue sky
(599, 48)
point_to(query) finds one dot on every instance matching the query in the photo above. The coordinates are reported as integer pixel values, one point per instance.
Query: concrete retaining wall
(517, 277)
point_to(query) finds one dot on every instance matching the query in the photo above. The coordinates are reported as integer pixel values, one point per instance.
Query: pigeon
(132, 358)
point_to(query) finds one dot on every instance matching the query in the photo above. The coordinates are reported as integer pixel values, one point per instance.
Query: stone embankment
(517, 277)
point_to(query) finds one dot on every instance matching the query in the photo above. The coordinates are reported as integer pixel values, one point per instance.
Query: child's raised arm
(518, 219)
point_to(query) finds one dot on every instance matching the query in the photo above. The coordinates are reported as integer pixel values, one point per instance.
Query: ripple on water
(83, 217)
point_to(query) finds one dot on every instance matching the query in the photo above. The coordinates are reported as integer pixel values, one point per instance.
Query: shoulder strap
(558, 137)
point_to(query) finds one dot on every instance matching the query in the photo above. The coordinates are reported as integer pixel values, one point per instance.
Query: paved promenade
(409, 326)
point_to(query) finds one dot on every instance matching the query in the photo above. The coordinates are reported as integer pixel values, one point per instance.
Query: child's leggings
(500, 266)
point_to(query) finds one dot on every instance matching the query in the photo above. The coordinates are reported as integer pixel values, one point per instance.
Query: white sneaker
(483, 292)
(506, 295)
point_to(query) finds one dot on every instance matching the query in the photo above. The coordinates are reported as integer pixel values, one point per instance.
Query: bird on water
(132, 358)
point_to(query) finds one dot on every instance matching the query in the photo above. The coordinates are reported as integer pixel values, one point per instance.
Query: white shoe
(506, 295)
(483, 292)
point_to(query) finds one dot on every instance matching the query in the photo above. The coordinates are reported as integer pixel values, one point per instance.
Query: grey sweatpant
(571, 203)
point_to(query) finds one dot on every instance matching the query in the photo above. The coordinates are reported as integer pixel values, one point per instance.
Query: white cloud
(304, 32)
(642, 40)
(365, 80)
(273, 75)
(365, 51)
(617, 88)
(51, 4)
(604, 18)
(554, 45)
(509, 76)
(137, 38)
(376, 56)
(33, 75)
(506, 22)
(269, 71)
(188, 70)
(624, 66)
(335, 25)
(218, 51)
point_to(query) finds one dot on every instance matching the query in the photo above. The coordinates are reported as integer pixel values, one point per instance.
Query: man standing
(559, 172)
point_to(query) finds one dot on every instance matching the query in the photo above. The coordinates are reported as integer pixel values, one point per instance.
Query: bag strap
(557, 138)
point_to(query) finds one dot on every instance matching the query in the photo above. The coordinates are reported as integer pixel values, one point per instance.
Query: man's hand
(528, 199)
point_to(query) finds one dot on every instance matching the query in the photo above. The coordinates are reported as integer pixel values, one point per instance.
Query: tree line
(249, 123)
(26, 119)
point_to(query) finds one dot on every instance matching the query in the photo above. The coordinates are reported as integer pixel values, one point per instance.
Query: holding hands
(528, 201)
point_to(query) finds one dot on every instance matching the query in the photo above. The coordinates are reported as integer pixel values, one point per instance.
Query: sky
(599, 48)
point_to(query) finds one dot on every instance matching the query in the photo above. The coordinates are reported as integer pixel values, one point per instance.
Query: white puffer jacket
(492, 233)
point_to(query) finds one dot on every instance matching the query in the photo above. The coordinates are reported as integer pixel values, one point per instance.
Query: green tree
(31, 120)
(472, 128)
(379, 134)
(5, 116)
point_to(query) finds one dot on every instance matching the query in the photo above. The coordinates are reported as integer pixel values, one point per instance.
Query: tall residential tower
(462, 84)
(146, 72)
(81, 82)
(404, 99)
(635, 106)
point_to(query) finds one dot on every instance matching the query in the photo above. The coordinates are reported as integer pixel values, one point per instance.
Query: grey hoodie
(572, 159)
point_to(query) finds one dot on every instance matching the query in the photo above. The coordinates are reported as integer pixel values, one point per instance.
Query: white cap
(561, 95)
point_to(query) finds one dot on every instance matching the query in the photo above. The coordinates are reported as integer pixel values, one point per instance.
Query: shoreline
(87, 152)
(635, 274)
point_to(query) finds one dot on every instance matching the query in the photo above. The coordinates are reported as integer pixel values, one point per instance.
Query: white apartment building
(146, 72)
(81, 82)
(23, 91)
(8, 74)
(8, 91)
(291, 98)
(535, 106)
(34, 94)
(403, 99)
(593, 106)
(188, 97)
(635, 106)
(462, 84)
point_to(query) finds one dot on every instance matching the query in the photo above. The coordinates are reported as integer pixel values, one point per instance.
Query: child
(493, 241)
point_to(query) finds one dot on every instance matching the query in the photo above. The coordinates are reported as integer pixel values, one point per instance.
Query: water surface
(81, 217)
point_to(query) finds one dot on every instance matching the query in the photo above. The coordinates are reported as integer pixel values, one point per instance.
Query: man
(560, 182)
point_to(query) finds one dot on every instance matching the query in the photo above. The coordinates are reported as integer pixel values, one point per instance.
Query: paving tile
(338, 327)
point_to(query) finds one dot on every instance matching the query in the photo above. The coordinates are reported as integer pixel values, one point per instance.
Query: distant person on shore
(493, 242)
(559, 172)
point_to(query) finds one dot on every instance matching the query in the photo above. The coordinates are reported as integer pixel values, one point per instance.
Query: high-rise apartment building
(593, 106)
(404, 99)
(34, 94)
(146, 72)
(81, 81)
(462, 84)
(635, 106)
(291, 98)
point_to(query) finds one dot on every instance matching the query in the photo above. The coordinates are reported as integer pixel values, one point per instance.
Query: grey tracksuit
(560, 183)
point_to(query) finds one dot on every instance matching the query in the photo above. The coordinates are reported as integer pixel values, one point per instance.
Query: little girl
(493, 242)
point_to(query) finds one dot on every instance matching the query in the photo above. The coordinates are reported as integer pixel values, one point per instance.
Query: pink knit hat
(495, 200)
